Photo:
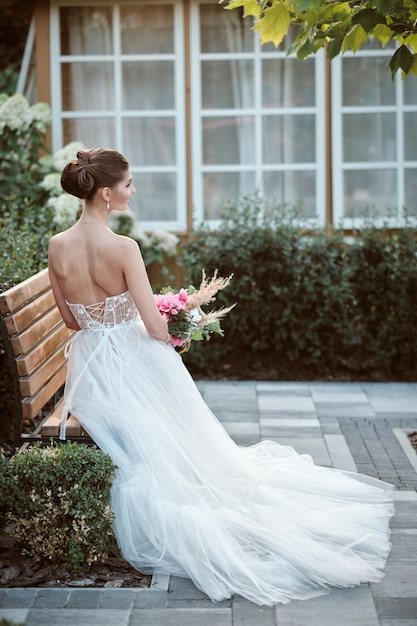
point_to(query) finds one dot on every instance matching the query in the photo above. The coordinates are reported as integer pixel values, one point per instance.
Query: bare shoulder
(125, 244)
(56, 240)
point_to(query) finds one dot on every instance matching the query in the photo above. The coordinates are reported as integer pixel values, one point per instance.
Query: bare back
(88, 263)
(86, 260)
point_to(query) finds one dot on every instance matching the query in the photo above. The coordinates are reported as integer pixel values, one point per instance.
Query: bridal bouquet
(182, 310)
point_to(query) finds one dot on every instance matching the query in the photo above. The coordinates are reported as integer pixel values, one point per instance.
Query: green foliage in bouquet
(58, 503)
(309, 302)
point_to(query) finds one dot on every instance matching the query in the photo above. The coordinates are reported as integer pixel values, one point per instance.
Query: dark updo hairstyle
(92, 170)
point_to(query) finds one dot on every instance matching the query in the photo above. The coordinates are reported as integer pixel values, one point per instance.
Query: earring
(108, 205)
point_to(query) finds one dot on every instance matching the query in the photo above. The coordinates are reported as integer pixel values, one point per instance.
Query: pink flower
(177, 342)
(183, 296)
(170, 302)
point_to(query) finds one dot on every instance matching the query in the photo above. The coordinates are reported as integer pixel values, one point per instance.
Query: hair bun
(86, 181)
(92, 169)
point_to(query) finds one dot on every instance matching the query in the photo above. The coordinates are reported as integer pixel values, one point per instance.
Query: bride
(262, 522)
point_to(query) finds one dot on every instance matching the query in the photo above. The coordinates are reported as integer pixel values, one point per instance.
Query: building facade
(205, 114)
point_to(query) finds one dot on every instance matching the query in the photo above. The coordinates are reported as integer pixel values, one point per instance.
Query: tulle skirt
(262, 521)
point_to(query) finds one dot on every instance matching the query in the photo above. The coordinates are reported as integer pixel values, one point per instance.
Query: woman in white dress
(263, 522)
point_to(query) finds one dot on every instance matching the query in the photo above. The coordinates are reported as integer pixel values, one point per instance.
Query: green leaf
(368, 19)
(411, 41)
(383, 33)
(250, 7)
(333, 48)
(401, 59)
(300, 6)
(275, 24)
(413, 68)
(355, 38)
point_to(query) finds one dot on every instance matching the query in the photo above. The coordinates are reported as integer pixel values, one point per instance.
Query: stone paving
(352, 426)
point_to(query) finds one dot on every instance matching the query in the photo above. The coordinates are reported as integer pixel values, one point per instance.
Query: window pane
(410, 136)
(292, 188)
(155, 197)
(86, 30)
(410, 90)
(220, 187)
(148, 85)
(369, 137)
(147, 29)
(87, 86)
(149, 141)
(288, 138)
(366, 82)
(224, 31)
(411, 191)
(227, 84)
(288, 83)
(228, 140)
(375, 189)
(92, 132)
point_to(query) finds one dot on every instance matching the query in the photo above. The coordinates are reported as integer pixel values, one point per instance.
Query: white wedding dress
(263, 521)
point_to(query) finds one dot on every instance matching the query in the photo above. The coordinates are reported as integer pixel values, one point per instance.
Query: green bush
(59, 503)
(306, 299)
(22, 134)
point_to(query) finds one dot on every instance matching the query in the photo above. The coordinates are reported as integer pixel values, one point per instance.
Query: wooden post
(42, 55)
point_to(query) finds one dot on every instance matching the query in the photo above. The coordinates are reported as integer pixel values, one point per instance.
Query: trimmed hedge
(309, 299)
(57, 502)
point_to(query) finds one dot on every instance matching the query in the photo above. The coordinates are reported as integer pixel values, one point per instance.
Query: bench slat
(31, 406)
(29, 385)
(52, 425)
(16, 296)
(27, 363)
(34, 334)
(18, 322)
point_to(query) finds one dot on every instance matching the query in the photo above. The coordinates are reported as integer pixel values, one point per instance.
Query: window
(374, 134)
(119, 68)
(205, 114)
(257, 115)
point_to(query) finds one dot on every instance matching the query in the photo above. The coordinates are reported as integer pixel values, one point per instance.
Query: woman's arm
(67, 316)
(140, 289)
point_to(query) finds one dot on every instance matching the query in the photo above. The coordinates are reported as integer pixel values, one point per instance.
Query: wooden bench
(35, 338)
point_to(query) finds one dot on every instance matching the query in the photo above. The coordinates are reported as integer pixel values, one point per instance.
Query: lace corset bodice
(112, 311)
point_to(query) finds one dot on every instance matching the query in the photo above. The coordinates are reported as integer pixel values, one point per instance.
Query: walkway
(345, 425)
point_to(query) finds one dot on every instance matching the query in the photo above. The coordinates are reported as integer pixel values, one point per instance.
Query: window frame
(259, 167)
(118, 113)
(339, 166)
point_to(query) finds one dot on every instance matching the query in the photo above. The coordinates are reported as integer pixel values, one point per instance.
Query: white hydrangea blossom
(52, 183)
(167, 242)
(14, 113)
(66, 208)
(66, 154)
(40, 116)
(143, 239)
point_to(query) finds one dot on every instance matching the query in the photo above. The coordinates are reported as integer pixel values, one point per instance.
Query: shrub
(307, 300)
(59, 504)
(22, 133)
(383, 268)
